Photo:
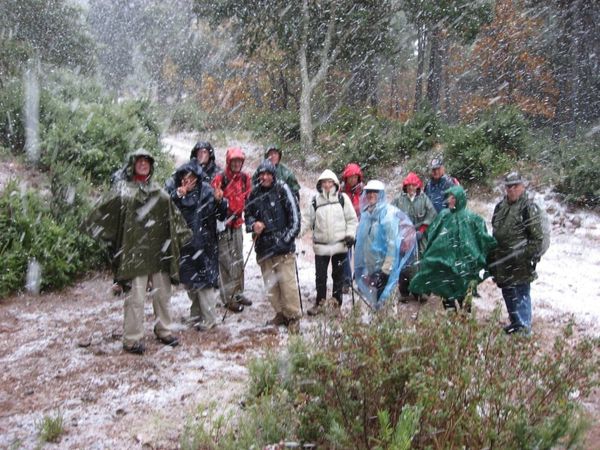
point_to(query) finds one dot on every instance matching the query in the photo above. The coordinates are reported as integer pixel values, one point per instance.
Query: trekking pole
(243, 269)
(298, 283)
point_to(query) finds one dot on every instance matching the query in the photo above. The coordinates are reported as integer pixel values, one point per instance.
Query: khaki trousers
(231, 264)
(204, 302)
(279, 276)
(133, 324)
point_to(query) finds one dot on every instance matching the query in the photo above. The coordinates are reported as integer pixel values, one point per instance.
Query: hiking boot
(234, 307)
(293, 326)
(203, 326)
(169, 340)
(404, 298)
(346, 289)
(315, 310)
(137, 348)
(514, 328)
(243, 300)
(278, 320)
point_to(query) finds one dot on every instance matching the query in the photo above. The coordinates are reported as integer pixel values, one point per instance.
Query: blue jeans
(518, 304)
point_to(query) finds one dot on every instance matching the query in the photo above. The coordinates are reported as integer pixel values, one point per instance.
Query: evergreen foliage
(439, 382)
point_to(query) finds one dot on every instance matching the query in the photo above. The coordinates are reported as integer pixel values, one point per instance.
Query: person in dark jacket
(517, 226)
(204, 154)
(352, 186)
(201, 207)
(438, 184)
(282, 172)
(236, 186)
(145, 230)
(273, 216)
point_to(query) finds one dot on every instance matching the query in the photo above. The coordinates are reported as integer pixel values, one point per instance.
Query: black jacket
(199, 266)
(278, 209)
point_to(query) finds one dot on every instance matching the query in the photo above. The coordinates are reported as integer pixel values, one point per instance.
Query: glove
(378, 280)
(350, 241)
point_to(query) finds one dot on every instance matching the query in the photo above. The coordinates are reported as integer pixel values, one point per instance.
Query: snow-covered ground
(61, 352)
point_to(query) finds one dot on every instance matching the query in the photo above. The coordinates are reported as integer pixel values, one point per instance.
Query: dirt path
(61, 353)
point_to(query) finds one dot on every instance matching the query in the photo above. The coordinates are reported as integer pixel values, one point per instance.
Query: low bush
(577, 163)
(187, 115)
(439, 382)
(480, 151)
(278, 126)
(33, 229)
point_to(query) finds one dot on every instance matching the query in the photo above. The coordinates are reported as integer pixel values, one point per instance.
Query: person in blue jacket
(385, 242)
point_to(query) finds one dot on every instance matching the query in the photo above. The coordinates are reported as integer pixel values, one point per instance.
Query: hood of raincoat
(412, 178)
(199, 146)
(273, 147)
(352, 169)
(131, 159)
(267, 166)
(460, 195)
(190, 166)
(328, 175)
(234, 153)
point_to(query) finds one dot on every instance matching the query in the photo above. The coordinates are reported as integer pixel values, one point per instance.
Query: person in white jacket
(332, 219)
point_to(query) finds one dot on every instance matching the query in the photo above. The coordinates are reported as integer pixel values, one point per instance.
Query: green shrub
(12, 127)
(280, 126)
(97, 137)
(187, 115)
(50, 429)
(578, 162)
(34, 229)
(506, 129)
(440, 382)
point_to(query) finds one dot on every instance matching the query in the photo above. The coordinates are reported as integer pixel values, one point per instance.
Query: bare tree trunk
(434, 78)
(420, 67)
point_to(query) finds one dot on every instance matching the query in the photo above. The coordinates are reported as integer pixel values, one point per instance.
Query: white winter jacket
(329, 221)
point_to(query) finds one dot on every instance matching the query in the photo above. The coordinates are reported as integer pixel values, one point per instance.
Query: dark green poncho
(458, 244)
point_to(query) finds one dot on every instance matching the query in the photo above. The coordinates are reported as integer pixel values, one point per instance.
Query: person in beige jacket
(332, 219)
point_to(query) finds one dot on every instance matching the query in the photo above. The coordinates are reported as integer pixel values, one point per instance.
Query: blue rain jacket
(385, 242)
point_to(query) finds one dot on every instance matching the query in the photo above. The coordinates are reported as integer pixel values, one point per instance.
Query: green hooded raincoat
(458, 244)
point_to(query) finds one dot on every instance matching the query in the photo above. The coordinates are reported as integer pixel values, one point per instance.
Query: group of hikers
(426, 241)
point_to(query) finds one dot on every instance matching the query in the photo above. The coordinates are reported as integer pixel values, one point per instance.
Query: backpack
(225, 180)
(340, 199)
(545, 222)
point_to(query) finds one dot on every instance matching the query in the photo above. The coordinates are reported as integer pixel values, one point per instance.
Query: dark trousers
(348, 269)
(337, 274)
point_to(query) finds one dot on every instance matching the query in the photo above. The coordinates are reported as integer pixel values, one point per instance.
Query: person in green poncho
(140, 223)
(457, 246)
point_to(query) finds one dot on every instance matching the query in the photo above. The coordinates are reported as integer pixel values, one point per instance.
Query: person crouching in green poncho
(457, 246)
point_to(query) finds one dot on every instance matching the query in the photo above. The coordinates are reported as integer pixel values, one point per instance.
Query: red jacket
(353, 192)
(236, 187)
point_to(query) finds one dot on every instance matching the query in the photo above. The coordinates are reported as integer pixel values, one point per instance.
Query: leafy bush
(282, 126)
(187, 115)
(34, 229)
(577, 163)
(12, 128)
(395, 383)
(79, 125)
(97, 137)
(478, 152)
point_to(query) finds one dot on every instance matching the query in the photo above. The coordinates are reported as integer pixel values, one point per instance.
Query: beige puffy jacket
(330, 222)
